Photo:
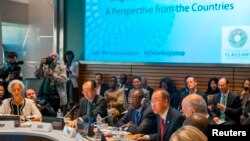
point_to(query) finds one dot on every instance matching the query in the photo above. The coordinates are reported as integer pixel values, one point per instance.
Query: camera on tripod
(13, 67)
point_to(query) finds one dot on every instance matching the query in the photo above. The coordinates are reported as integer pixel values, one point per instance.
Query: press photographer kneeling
(54, 79)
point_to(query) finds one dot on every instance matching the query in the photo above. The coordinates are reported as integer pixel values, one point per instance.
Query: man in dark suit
(144, 84)
(169, 119)
(90, 105)
(192, 89)
(140, 117)
(124, 85)
(226, 106)
(100, 86)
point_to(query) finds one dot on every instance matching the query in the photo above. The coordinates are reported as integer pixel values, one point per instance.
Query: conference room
(55, 46)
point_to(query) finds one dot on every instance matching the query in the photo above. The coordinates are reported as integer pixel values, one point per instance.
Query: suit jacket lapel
(141, 114)
(167, 122)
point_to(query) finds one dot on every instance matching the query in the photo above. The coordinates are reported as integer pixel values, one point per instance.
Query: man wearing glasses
(169, 119)
(90, 105)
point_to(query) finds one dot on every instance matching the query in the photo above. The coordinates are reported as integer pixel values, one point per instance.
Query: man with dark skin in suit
(145, 122)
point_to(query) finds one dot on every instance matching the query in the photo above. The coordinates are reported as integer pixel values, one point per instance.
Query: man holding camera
(11, 71)
(54, 79)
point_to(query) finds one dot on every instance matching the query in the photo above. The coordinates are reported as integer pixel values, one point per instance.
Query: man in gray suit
(90, 105)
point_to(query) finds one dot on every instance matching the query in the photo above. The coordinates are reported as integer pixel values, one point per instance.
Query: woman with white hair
(17, 104)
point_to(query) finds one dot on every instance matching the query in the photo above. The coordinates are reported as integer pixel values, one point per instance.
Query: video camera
(13, 67)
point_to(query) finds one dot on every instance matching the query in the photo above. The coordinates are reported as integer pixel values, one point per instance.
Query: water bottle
(98, 120)
(98, 134)
(59, 114)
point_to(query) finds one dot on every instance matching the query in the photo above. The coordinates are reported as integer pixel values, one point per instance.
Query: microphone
(111, 114)
(125, 112)
(73, 108)
(143, 101)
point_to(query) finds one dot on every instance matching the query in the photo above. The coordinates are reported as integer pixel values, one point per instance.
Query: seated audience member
(115, 97)
(90, 105)
(140, 117)
(169, 119)
(226, 106)
(192, 89)
(188, 133)
(212, 89)
(168, 84)
(17, 105)
(199, 121)
(137, 85)
(100, 86)
(184, 89)
(245, 100)
(123, 78)
(44, 106)
(144, 84)
(1, 93)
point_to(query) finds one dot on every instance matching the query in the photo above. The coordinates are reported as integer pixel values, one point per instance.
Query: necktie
(222, 113)
(89, 107)
(162, 125)
(223, 99)
(136, 119)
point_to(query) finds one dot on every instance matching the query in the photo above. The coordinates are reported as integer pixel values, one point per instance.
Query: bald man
(140, 117)
(194, 104)
(199, 121)
(226, 106)
(54, 80)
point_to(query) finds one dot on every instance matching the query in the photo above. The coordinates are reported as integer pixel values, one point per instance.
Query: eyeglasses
(156, 101)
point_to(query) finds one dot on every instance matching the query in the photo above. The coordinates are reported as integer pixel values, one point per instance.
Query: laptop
(14, 118)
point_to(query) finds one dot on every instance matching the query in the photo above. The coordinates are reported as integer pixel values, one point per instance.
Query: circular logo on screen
(237, 38)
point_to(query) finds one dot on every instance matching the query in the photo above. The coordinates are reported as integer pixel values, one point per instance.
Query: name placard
(69, 131)
(7, 125)
(43, 127)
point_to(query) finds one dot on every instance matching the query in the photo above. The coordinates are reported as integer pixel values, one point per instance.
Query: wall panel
(155, 72)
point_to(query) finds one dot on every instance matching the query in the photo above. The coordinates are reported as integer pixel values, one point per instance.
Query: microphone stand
(109, 116)
(72, 109)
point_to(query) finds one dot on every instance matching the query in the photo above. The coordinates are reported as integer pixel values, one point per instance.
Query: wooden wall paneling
(155, 72)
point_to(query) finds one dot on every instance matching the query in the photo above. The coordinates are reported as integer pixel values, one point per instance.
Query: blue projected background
(167, 31)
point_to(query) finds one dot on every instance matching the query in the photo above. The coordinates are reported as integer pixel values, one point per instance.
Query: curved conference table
(26, 134)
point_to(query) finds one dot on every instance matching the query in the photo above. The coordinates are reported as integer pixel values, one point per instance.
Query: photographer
(11, 71)
(54, 80)
(72, 68)
(44, 106)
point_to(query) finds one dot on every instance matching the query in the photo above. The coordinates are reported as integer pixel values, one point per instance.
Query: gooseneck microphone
(73, 108)
(109, 116)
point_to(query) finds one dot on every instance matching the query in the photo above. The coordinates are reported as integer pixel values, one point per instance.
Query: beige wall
(38, 15)
(14, 12)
